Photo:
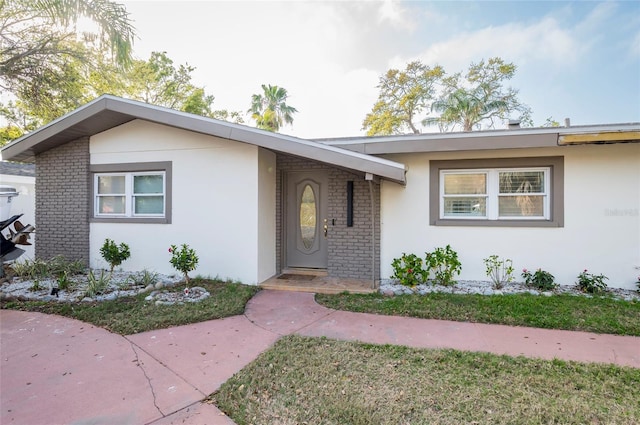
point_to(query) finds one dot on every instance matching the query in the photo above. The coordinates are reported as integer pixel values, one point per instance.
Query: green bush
(443, 263)
(500, 271)
(42, 269)
(114, 254)
(408, 270)
(183, 259)
(97, 285)
(540, 279)
(63, 281)
(591, 283)
(144, 278)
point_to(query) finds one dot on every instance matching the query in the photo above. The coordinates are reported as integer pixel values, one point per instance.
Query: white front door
(307, 221)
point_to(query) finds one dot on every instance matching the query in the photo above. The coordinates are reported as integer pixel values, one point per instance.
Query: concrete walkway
(56, 370)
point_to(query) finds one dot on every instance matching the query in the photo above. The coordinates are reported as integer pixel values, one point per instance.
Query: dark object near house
(19, 235)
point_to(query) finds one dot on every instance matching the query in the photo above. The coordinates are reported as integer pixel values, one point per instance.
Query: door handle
(325, 227)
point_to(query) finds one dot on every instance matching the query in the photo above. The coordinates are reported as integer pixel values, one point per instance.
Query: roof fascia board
(599, 137)
(24, 147)
(273, 141)
(458, 144)
(489, 140)
(30, 140)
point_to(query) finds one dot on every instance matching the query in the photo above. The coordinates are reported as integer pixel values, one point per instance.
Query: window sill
(140, 220)
(496, 223)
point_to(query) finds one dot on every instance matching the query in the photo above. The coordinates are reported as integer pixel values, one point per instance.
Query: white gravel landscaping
(391, 287)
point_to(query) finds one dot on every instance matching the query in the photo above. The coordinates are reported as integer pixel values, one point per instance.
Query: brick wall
(62, 201)
(350, 248)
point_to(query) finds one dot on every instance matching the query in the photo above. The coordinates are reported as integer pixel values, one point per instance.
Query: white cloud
(544, 41)
(329, 55)
(391, 11)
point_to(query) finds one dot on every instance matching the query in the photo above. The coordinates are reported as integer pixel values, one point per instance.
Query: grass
(315, 380)
(129, 315)
(600, 315)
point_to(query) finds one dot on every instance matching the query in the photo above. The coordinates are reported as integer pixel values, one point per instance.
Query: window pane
(110, 184)
(521, 206)
(111, 205)
(463, 206)
(308, 217)
(149, 204)
(148, 184)
(464, 184)
(522, 182)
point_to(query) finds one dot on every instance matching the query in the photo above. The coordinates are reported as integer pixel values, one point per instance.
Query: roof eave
(121, 111)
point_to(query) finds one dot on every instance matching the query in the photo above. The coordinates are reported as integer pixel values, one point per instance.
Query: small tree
(114, 254)
(183, 259)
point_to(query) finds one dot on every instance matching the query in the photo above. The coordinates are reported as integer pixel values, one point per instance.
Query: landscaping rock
(159, 285)
(389, 286)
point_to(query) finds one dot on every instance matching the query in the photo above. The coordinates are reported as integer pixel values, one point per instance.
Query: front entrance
(307, 220)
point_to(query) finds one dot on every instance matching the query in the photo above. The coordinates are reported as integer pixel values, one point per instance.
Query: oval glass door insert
(308, 216)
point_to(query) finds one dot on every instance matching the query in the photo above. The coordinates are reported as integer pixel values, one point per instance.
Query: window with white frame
(139, 194)
(497, 192)
(494, 194)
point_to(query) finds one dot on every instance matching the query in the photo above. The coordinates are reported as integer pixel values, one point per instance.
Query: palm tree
(467, 108)
(270, 109)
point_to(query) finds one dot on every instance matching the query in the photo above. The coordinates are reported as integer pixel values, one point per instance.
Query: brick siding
(62, 202)
(350, 250)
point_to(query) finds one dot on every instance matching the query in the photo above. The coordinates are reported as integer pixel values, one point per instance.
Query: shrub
(500, 271)
(444, 263)
(408, 269)
(540, 279)
(144, 278)
(35, 286)
(97, 285)
(42, 269)
(63, 281)
(114, 254)
(184, 260)
(591, 283)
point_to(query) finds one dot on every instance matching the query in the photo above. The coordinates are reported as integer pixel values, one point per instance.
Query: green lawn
(129, 315)
(600, 315)
(320, 381)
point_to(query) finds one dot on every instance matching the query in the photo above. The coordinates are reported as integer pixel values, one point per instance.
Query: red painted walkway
(56, 370)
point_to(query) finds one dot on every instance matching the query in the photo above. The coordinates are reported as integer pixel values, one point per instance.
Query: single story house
(254, 204)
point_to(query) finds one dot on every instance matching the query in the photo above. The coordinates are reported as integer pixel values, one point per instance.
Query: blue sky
(575, 59)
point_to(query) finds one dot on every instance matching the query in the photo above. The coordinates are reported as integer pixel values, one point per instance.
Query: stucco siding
(215, 201)
(266, 213)
(601, 230)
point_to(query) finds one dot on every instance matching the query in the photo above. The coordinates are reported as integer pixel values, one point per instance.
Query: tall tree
(270, 110)
(403, 96)
(157, 81)
(37, 38)
(478, 97)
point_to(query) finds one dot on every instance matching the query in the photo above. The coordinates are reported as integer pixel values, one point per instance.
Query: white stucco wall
(601, 230)
(25, 204)
(217, 206)
(266, 212)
